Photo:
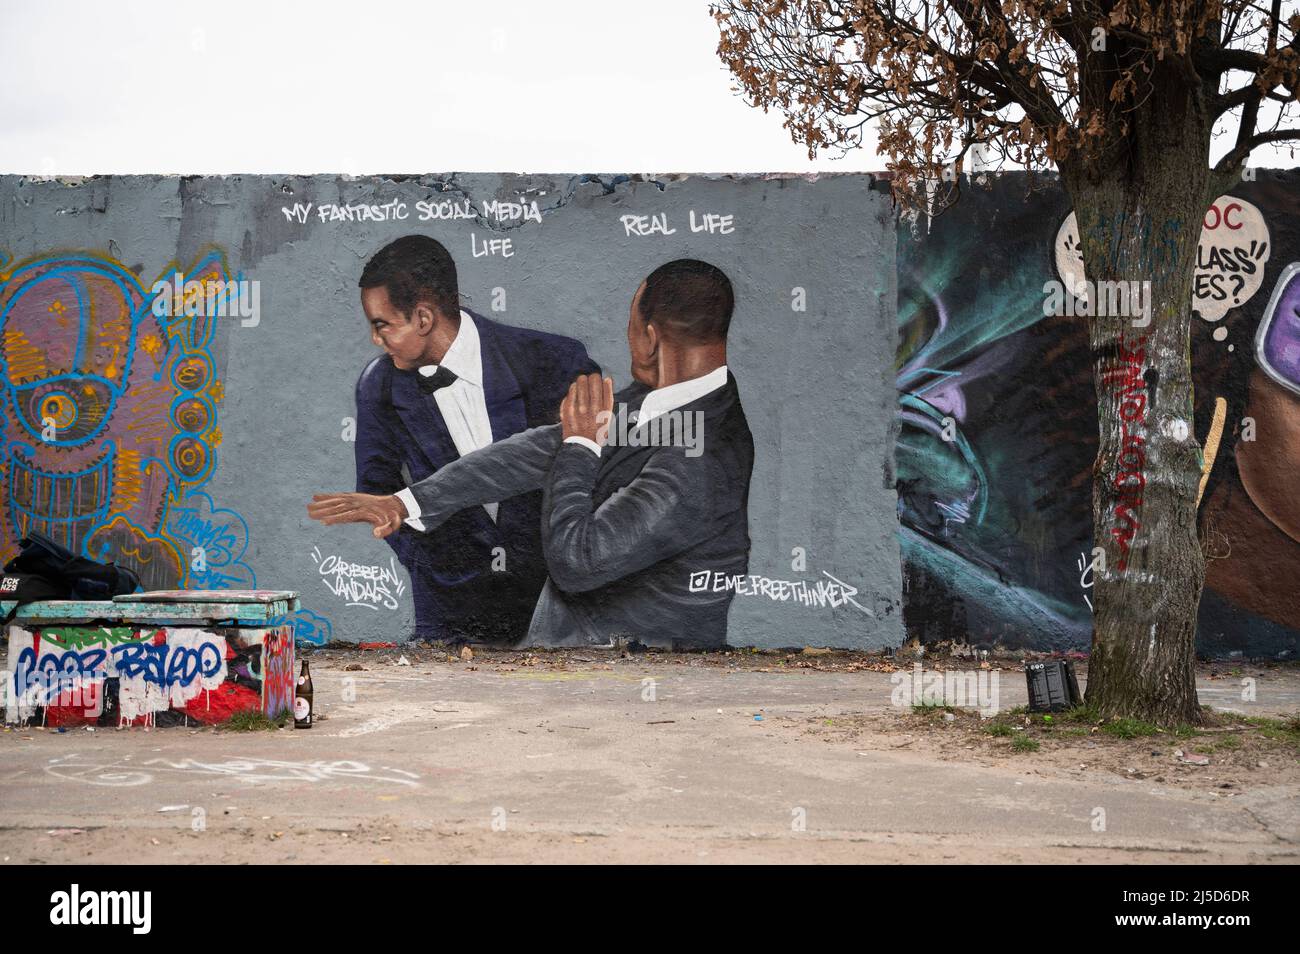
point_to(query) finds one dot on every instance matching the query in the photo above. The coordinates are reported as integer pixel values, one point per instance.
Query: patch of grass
(930, 707)
(1023, 743)
(1075, 716)
(999, 729)
(251, 720)
(1125, 728)
(1082, 721)
(1224, 718)
(1279, 730)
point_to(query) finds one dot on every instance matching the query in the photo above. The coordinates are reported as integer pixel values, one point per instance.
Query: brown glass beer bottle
(302, 700)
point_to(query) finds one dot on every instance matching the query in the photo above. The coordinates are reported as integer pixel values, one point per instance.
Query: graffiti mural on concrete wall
(111, 400)
(740, 490)
(135, 430)
(534, 501)
(998, 421)
(138, 428)
(530, 512)
(111, 422)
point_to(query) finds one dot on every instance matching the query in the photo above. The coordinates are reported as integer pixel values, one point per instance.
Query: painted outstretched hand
(384, 513)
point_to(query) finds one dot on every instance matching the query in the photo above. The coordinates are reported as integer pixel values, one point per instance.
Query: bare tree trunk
(1140, 224)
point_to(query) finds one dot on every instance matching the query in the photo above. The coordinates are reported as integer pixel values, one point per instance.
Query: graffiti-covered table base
(163, 658)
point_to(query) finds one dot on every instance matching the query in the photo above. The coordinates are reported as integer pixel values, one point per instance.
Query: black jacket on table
(628, 536)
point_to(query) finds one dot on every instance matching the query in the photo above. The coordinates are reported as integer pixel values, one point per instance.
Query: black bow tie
(439, 379)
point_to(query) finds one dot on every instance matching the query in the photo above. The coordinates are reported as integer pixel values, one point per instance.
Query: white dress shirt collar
(662, 400)
(464, 358)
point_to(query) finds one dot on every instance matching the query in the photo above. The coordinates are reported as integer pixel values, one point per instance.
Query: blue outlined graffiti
(163, 665)
(308, 627)
(168, 665)
(216, 540)
(41, 682)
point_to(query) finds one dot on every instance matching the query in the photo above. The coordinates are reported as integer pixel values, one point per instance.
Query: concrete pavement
(612, 759)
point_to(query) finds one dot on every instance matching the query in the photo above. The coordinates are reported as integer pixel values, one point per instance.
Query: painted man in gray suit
(637, 518)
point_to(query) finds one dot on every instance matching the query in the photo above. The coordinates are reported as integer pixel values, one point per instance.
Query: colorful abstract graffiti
(109, 412)
(998, 427)
(109, 397)
(277, 671)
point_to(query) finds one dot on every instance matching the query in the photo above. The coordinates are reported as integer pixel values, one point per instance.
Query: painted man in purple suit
(451, 381)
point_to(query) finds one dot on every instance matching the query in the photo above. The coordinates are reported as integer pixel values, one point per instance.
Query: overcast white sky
(381, 86)
(378, 86)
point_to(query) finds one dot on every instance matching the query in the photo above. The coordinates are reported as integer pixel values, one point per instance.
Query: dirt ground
(621, 757)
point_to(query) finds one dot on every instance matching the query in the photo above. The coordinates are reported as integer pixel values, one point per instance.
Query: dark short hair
(688, 300)
(414, 268)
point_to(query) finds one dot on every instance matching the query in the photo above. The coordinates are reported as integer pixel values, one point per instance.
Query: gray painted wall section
(817, 385)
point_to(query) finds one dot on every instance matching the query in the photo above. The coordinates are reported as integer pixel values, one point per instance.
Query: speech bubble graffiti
(1230, 258)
